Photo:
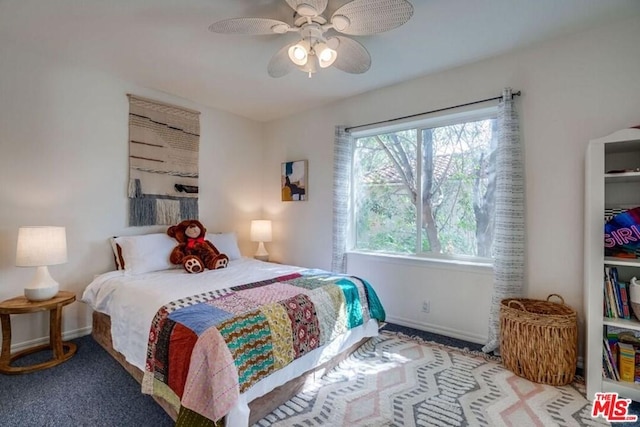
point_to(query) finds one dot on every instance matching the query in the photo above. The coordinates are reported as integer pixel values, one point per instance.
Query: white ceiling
(165, 44)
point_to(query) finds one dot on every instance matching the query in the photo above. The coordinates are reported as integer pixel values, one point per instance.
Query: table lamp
(261, 232)
(40, 247)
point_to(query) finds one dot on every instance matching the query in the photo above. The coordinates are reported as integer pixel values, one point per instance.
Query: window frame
(419, 125)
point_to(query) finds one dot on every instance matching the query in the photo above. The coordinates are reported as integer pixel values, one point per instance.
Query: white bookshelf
(618, 151)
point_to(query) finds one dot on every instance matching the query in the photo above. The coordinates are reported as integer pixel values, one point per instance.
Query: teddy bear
(193, 251)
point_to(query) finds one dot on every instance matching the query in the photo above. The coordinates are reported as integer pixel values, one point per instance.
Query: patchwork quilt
(205, 350)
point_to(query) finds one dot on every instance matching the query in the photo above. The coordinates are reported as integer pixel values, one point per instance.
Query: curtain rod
(518, 93)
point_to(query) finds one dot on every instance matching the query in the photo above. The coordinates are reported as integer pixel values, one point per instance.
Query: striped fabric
(249, 340)
(341, 191)
(509, 235)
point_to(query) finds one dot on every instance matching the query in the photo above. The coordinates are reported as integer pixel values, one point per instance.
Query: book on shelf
(613, 347)
(624, 296)
(613, 272)
(637, 371)
(627, 362)
(609, 361)
(607, 368)
(610, 293)
(616, 295)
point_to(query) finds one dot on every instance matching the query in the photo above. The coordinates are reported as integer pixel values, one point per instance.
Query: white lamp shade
(261, 230)
(39, 246)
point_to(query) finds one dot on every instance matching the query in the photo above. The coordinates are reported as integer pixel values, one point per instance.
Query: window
(426, 188)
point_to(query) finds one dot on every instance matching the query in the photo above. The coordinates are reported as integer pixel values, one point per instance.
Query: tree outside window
(426, 190)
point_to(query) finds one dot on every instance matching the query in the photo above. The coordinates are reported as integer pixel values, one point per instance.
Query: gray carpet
(90, 389)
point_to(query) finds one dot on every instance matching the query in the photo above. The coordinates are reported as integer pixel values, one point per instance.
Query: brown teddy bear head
(187, 229)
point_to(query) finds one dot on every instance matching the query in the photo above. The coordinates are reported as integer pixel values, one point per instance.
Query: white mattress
(133, 300)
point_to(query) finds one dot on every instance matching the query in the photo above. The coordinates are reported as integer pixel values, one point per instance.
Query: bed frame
(259, 407)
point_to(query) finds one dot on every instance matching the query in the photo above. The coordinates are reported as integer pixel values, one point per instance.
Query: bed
(229, 345)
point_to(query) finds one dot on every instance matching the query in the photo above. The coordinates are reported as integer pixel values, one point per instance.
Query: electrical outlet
(426, 306)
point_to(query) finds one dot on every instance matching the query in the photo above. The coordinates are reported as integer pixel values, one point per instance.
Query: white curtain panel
(342, 152)
(509, 234)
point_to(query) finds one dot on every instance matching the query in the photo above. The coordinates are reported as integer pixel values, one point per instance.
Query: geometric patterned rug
(396, 380)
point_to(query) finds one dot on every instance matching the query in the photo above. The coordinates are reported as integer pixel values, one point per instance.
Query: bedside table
(61, 350)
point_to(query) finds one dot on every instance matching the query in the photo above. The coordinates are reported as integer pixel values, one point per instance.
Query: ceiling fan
(315, 48)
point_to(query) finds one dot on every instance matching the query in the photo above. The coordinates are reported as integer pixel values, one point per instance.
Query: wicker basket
(539, 339)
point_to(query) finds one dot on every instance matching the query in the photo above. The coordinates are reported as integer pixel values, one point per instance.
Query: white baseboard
(67, 335)
(453, 333)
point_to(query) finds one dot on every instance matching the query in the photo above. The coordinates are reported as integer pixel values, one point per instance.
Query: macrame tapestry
(163, 162)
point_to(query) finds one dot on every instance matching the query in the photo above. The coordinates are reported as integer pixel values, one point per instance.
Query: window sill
(423, 261)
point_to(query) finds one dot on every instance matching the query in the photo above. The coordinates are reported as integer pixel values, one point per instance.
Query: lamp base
(42, 287)
(261, 253)
(41, 294)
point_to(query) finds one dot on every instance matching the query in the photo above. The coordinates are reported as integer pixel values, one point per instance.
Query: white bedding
(133, 300)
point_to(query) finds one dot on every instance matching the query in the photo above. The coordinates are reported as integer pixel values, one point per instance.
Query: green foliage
(386, 188)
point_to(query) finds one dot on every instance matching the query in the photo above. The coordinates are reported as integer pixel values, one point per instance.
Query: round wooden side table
(61, 350)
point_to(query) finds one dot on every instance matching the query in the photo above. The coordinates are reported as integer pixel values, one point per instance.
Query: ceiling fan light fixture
(326, 55)
(315, 49)
(299, 53)
(340, 22)
(311, 67)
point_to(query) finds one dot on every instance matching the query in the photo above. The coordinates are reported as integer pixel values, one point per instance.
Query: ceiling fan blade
(280, 64)
(251, 26)
(317, 5)
(364, 17)
(352, 56)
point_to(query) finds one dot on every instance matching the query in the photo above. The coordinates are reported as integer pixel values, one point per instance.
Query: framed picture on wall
(294, 181)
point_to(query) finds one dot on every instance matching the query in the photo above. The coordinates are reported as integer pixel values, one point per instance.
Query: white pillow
(117, 253)
(145, 253)
(226, 243)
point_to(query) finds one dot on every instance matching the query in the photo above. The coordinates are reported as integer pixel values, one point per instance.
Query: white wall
(64, 161)
(574, 89)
